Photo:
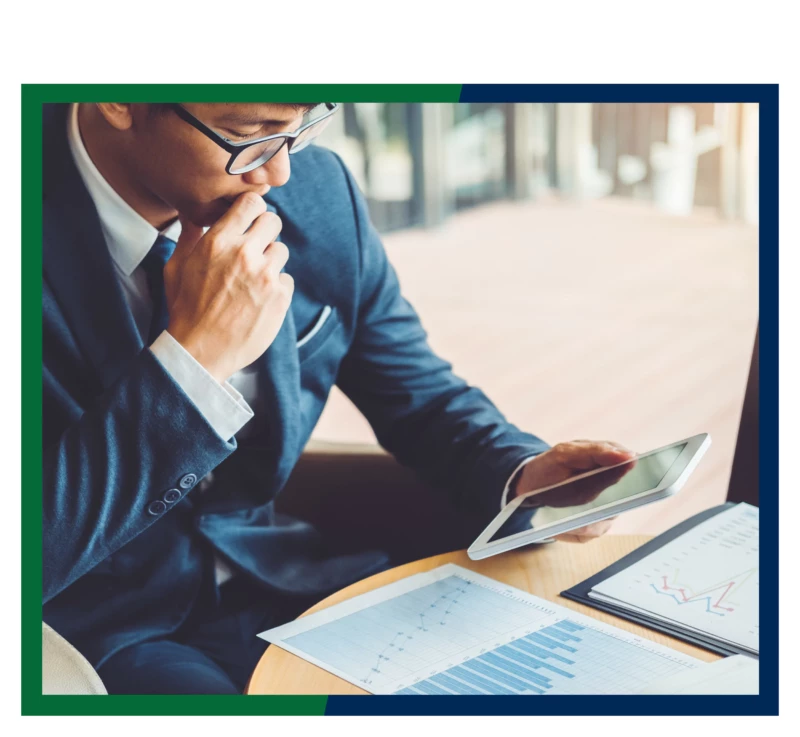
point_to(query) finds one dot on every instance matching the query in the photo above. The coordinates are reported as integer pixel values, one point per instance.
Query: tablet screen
(604, 487)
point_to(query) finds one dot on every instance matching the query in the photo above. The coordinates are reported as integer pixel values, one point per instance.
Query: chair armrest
(64, 670)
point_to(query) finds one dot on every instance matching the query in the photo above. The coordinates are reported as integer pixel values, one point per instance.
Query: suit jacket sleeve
(421, 412)
(112, 462)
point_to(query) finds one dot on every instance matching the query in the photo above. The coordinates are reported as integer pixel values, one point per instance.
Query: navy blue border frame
(766, 703)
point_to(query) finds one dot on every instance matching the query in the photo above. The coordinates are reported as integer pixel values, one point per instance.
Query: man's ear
(117, 114)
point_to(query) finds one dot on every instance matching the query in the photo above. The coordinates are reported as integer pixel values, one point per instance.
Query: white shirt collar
(128, 235)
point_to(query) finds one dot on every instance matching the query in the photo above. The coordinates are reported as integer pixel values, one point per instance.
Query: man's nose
(275, 173)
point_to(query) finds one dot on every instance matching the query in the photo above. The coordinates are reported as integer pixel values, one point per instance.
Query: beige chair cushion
(64, 670)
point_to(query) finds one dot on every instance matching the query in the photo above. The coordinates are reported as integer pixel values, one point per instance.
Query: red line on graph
(682, 592)
(723, 595)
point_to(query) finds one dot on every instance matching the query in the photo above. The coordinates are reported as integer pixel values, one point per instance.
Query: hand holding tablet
(590, 497)
(564, 462)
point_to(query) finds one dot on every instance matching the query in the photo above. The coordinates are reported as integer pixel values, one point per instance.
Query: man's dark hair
(162, 107)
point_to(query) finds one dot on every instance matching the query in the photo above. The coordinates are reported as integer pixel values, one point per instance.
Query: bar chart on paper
(451, 631)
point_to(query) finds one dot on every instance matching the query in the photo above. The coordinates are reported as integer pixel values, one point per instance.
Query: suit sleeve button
(156, 508)
(188, 481)
(172, 495)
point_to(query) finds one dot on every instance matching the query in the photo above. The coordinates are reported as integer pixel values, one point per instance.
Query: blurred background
(592, 267)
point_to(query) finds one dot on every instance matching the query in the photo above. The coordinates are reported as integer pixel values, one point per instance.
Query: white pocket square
(326, 313)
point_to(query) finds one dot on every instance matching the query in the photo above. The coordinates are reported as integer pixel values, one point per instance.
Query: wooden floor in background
(604, 320)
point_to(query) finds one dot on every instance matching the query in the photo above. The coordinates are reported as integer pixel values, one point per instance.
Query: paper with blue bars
(454, 632)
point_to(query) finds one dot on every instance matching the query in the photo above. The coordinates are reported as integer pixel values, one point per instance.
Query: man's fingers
(190, 235)
(240, 216)
(288, 282)
(276, 257)
(265, 230)
(584, 455)
(610, 443)
(569, 459)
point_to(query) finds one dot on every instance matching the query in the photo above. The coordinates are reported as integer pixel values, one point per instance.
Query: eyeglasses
(250, 155)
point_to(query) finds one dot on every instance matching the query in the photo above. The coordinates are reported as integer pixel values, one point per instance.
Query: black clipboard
(580, 592)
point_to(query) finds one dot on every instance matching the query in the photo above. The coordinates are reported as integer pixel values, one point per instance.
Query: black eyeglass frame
(234, 149)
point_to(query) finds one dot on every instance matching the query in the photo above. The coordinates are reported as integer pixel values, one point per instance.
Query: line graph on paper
(717, 599)
(707, 579)
(438, 607)
(396, 638)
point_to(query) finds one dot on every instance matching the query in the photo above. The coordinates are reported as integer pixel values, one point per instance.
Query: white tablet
(590, 497)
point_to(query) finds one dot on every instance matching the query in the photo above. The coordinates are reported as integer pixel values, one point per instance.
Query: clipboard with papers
(697, 582)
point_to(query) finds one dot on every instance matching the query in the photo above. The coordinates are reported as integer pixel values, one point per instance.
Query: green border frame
(33, 97)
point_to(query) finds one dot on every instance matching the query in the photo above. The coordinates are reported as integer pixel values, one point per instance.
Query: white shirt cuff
(222, 406)
(504, 498)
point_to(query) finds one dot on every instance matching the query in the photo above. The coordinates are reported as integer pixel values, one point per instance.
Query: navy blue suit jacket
(119, 433)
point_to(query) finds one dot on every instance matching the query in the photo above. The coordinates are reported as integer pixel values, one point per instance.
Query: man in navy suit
(198, 307)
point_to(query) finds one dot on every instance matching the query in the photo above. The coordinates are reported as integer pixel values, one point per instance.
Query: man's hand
(564, 461)
(226, 294)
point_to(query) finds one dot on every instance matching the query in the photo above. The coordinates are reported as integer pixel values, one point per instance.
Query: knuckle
(214, 243)
(243, 257)
(253, 267)
(265, 278)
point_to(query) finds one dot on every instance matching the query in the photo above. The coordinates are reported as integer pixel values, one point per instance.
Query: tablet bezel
(672, 482)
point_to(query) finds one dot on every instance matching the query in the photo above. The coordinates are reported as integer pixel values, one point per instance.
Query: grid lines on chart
(395, 638)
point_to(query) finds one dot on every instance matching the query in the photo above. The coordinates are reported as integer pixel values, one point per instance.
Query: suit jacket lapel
(76, 261)
(279, 380)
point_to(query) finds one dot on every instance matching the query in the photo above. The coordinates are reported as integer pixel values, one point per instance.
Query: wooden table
(544, 570)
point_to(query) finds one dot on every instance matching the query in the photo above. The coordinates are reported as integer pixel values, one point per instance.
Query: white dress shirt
(130, 237)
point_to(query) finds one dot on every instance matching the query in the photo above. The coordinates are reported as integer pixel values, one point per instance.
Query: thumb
(190, 235)
(188, 239)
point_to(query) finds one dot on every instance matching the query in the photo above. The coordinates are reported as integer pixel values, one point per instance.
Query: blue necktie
(153, 265)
